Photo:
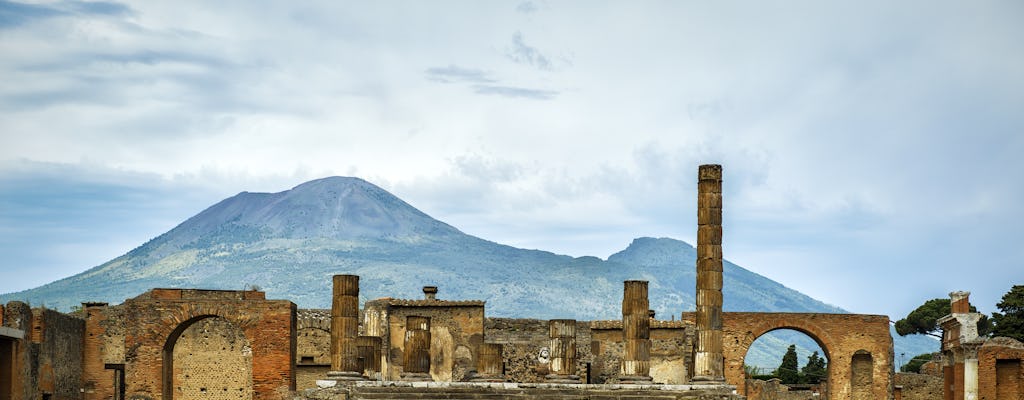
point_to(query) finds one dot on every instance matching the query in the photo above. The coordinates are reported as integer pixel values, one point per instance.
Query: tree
(914, 365)
(815, 370)
(787, 371)
(923, 320)
(1010, 323)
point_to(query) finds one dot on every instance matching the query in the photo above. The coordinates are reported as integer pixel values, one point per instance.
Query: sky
(872, 150)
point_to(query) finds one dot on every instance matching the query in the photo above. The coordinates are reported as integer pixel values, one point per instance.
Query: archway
(763, 361)
(207, 357)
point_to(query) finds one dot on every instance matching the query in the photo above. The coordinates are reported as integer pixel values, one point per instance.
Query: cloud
(515, 92)
(14, 14)
(524, 54)
(527, 7)
(455, 74)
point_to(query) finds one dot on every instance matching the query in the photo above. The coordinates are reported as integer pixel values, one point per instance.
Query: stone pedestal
(636, 334)
(416, 351)
(708, 360)
(563, 351)
(489, 364)
(344, 328)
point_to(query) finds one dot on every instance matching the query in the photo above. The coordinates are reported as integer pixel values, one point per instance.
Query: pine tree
(815, 370)
(787, 371)
(1010, 323)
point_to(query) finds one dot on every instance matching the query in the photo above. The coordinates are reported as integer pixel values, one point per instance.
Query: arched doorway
(764, 364)
(207, 357)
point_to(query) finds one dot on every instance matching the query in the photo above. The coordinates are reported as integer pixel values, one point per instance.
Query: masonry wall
(456, 329)
(102, 351)
(23, 366)
(522, 341)
(671, 350)
(919, 386)
(58, 338)
(312, 347)
(1001, 369)
(213, 360)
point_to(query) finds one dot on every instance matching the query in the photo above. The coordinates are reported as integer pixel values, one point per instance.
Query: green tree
(815, 370)
(1010, 323)
(787, 371)
(923, 320)
(914, 365)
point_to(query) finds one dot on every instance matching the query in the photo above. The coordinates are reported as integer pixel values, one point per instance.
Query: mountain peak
(654, 251)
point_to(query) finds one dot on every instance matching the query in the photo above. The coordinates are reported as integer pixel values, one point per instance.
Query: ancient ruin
(190, 343)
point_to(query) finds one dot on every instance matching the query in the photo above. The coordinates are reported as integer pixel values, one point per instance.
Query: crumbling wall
(59, 340)
(1001, 369)
(456, 331)
(919, 386)
(102, 351)
(312, 347)
(671, 350)
(522, 341)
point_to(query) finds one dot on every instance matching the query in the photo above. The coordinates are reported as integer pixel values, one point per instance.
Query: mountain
(290, 243)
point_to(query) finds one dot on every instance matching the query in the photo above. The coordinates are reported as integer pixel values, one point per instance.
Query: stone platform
(379, 390)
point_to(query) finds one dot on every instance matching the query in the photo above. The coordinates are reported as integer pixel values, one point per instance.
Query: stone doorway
(7, 368)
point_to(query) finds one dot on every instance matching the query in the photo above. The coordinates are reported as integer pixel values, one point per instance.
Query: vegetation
(787, 372)
(914, 365)
(924, 319)
(815, 371)
(1010, 323)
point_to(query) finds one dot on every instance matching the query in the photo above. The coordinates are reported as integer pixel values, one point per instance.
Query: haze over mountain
(290, 243)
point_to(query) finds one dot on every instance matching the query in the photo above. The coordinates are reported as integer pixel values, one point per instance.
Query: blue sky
(872, 151)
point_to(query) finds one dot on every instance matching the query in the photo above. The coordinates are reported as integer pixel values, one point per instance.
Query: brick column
(708, 359)
(489, 364)
(368, 354)
(345, 329)
(636, 333)
(563, 351)
(416, 351)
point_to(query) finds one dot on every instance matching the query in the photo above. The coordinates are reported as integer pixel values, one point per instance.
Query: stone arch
(157, 316)
(237, 359)
(838, 335)
(808, 333)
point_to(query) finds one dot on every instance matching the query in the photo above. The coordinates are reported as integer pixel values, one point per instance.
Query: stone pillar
(636, 333)
(368, 352)
(430, 292)
(708, 361)
(416, 354)
(563, 351)
(345, 329)
(490, 363)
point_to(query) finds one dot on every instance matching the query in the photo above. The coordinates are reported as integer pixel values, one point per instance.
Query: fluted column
(563, 351)
(344, 328)
(636, 333)
(416, 354)
(489, 363)
(708, 359)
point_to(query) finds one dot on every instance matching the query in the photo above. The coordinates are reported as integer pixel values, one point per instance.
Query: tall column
(636, 333)
(416, 354)
(345, 328)
(489, 364)
(708, 359)
(368, 351)
(563, 351)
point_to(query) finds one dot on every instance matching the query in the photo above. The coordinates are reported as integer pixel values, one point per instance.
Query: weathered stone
(345, 328)
(708, 359)
(563, 351)
(416, 363)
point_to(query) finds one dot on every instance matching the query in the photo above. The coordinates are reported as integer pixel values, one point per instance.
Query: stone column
(489, 364)
(636, 333)
(368, 351)
(344, 329)
(563, 351)
(416, 354)
(708, 358)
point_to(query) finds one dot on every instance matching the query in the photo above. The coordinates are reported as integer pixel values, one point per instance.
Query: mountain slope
(290, 243)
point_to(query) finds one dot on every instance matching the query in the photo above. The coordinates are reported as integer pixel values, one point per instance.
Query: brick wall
(1001, 369)
(312, 347)
(59, 353)
(212, 360)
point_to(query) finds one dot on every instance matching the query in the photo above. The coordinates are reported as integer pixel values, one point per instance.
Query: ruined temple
(213, 344)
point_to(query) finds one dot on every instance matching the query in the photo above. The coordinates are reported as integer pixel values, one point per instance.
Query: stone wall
(24, 381)
(456, 330)
(58, 338)
(919, 386)
(671, 350)
(312, 347)
(102, 351)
